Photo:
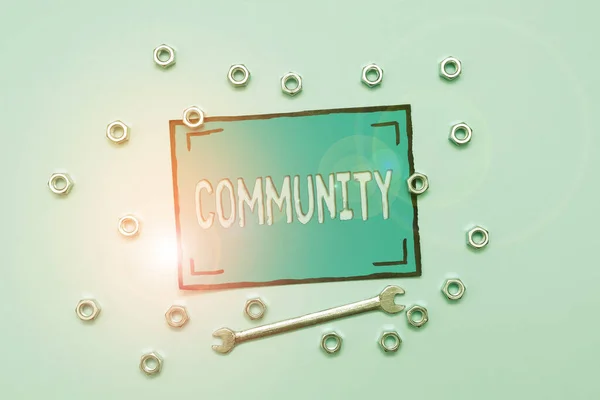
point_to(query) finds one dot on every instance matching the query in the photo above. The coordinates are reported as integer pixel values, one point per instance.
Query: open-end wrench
(383, 301)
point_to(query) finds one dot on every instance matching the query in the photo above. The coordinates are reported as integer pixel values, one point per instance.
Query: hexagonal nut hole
(60, 183)
(372, 68)
(151, 363)
(164, 56)
(390, 341)
(413, 319)
(87, 309)
(117, 132)
(478, 237)
(255, 308)
(177, 316)
(448, 289)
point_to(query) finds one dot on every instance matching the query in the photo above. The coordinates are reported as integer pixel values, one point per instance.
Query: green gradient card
(295, 198)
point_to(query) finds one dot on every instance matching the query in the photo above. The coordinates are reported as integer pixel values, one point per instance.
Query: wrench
(384, 301)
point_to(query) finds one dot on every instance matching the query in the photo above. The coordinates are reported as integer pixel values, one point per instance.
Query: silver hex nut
(151, 363)
(482, 241)
(333, 337)
(418, 183)
(87, 309)
(117, 132)
(419, 322)
(259, 305)
(177, 316)
(291, 77)
(460, 289)
(238, 69)
(60, 183)
(378, 75)
(465, 138)
(394, 341)
(159, 56)
(453, 63)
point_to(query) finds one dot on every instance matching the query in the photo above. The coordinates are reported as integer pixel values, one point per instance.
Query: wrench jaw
(387, 297)
(227, 337)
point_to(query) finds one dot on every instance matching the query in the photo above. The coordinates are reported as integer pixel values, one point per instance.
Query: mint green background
(301, 145)
(528, 325)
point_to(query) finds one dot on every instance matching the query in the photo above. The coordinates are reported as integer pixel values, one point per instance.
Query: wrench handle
(308, 320)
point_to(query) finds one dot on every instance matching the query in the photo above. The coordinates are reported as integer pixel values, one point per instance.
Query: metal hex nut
(413, 179)
(193, 111)
(393, 347)
(422, 321)
(365, 71)
(245, 75)
(129, 225)
(261, 308)
(85, 304)
(458, 127)
(338, 342)
(163, 48)
(454, 282)
(173, 312)
(291, 76)
(110, 132)
(478, 230)
(58, 177)
(151, 357)
(457, 68)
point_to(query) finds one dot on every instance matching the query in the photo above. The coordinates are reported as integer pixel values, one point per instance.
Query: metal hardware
(129, 226)
(331, 337)
(384, 301)
(60, 183)
(112, 132)
(478, 231)
(395, 339)
(454, 283)
(177, 316)
(87, 309)
(291, 76)
(416, 178)
(417, 309)
(151, 363)
(257, 303)
(159, 51)
(450, 61)
(245, 75)
(457, 128)
(190, 112)
(365, 75)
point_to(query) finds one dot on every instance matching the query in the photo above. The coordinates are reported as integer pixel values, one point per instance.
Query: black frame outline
(380, 275)
(396, 126)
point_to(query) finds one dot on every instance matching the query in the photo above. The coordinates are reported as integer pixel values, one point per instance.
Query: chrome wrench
(384, 301)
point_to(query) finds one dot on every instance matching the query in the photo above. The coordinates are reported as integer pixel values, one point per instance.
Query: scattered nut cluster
(117, 132)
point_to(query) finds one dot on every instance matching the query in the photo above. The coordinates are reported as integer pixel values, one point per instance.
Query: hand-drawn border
(381, 275)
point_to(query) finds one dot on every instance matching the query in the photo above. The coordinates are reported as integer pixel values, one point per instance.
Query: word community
(264, 196)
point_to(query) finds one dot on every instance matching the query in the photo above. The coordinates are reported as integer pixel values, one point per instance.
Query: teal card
(298, 197)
